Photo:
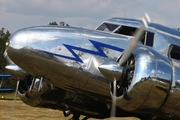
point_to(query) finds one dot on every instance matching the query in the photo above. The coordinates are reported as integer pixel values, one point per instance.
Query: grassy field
(17, 110)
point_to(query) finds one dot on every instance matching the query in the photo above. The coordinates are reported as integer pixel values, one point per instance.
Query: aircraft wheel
(66, 113)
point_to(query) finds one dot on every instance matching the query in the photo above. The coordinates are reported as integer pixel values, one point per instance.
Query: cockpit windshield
(128, 30)
(117, 28)
(108, 27)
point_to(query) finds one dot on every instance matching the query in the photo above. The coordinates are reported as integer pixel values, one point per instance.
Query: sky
(17, 14)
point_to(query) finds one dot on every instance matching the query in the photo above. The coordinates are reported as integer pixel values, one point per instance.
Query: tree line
(4, 35)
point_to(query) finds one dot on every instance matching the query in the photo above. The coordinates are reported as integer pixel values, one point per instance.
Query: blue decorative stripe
(96, 44)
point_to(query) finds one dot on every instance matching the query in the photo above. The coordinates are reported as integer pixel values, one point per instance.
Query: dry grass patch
(21, 111)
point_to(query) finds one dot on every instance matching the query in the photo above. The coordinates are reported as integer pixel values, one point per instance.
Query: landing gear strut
(75, 117)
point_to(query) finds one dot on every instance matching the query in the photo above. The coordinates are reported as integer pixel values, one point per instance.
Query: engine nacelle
(150, 83)
(48, 96)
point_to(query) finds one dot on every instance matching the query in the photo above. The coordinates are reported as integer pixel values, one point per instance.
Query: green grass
(17, 110)
(7, 96)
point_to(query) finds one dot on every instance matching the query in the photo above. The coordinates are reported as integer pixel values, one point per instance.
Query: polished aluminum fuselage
(68, 58)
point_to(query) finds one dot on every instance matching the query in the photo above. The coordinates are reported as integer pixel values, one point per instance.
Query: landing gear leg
(75, 117)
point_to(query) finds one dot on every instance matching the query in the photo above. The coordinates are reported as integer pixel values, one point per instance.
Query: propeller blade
(113, 106)
(132, 44)
(14, 101)
(127, 53)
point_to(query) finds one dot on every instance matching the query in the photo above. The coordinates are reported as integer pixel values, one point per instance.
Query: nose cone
(17, 44)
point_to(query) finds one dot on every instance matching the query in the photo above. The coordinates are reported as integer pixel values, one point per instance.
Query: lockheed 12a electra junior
(125, 67)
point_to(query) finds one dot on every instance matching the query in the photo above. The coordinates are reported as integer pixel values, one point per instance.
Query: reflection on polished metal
(150, 84)
(16, 72)
(8, 60)
(73, 66)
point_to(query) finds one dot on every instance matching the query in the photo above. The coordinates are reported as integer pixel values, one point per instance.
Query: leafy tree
(62, 23)
(4, 35)
(53, 23)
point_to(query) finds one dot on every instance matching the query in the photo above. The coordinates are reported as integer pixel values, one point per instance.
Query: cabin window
(148, 38)
(126, 30)
(107, 27)
(174, 52)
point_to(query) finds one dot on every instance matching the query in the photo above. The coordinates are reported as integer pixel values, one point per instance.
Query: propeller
(132, 44)
(113, 106)
(11, 66)
(14, 101)
(114, 71)
(127, 53)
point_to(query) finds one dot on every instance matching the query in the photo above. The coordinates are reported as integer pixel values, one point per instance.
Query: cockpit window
(147, 37)
(107, 27)
(126, 30)
(174, 52)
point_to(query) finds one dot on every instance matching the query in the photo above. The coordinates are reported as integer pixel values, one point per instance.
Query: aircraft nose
(17, 44)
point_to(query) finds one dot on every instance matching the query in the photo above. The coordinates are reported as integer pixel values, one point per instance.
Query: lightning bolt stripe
(96, 44)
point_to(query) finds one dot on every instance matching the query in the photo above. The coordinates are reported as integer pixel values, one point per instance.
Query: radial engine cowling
(149, 85)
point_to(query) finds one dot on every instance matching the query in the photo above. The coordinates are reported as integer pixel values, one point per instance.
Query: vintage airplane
(110, 71)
